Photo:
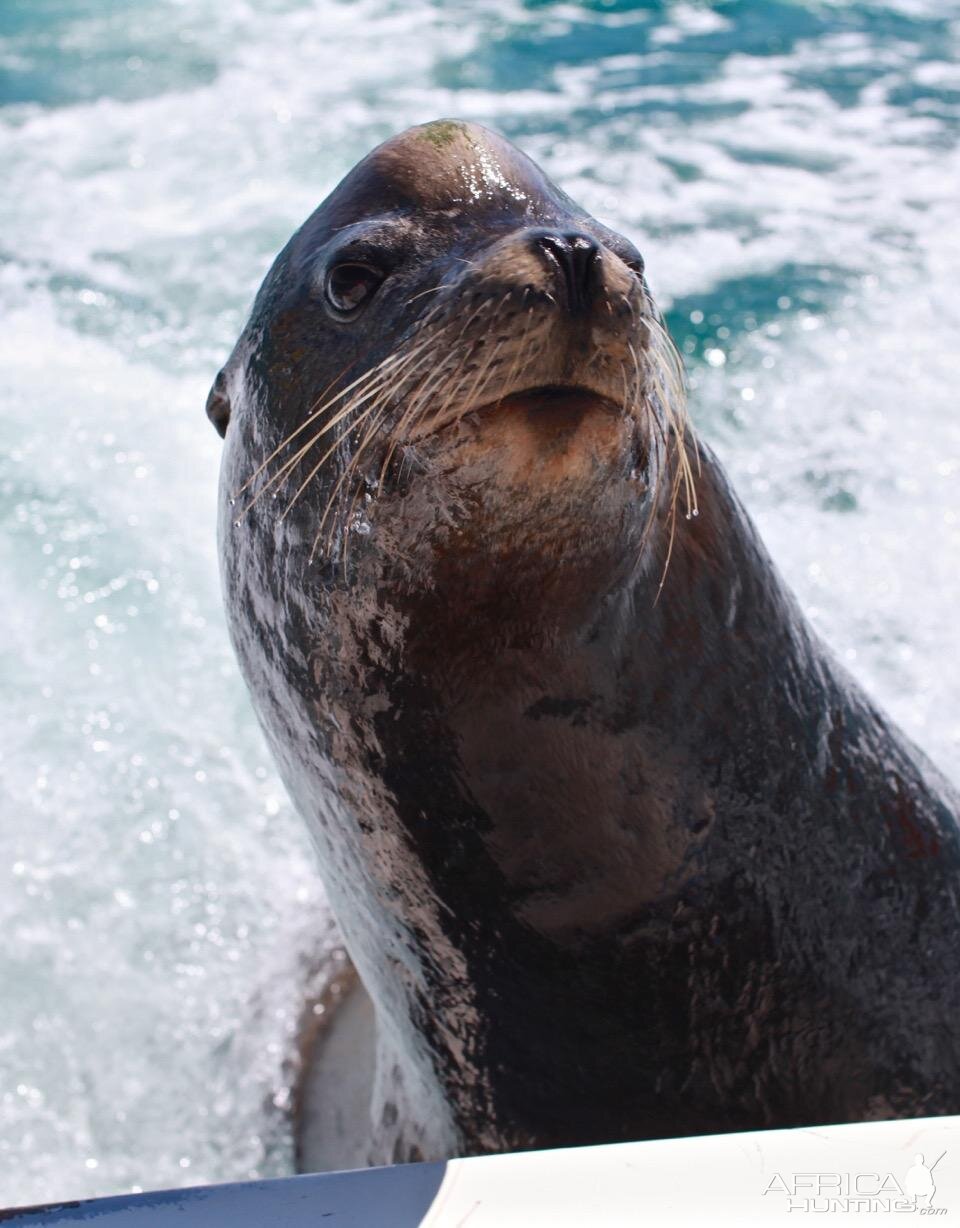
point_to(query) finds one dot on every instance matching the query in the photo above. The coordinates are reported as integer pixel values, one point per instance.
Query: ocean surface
(791, 172)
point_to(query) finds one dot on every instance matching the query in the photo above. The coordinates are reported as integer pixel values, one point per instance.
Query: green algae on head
(449, 162)
(442, 132)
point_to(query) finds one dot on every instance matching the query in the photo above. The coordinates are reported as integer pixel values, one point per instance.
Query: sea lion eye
(350, 284)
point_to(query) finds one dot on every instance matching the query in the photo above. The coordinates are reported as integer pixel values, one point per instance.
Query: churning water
(791, 172)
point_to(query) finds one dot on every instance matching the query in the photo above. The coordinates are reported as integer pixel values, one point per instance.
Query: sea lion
(618, 849)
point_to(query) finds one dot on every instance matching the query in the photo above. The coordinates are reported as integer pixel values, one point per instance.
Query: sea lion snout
(577, 259)
(541, 307)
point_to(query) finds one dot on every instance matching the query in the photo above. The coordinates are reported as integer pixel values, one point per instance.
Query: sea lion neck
(544, 737)
(489, 571)
(566, 613)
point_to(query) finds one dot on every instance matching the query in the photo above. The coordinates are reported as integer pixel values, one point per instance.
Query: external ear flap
(218, 405)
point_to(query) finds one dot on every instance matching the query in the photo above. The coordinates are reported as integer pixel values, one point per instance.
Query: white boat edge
(761, 1178)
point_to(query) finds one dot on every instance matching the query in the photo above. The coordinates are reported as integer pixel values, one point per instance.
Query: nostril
(577, 256)
(586, 253)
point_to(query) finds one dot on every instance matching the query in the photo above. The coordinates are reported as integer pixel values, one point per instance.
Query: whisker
(385, 379)
(385, 368)
(454, 391)
(352, 468)
(423, 356)
(423, 293)
(326, 456)
(466, 403)
(672, 424)
(349, 470)
(521, 348)
(666, 562)
(436, 380)
(416, 397)
(420, 394)
(420, 353)
(317, 409)
(365, 395)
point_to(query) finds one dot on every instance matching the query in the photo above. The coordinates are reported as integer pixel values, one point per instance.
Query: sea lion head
(452, 367)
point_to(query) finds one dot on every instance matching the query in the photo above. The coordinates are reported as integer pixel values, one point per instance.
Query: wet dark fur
(612, 864)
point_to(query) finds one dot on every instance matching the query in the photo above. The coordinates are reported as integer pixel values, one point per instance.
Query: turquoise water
(791, 172)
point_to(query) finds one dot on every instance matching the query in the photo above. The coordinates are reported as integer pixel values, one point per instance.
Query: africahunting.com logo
(824, 1192)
